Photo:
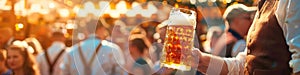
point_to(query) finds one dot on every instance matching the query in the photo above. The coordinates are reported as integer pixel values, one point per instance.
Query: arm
(207, 62)
(290, 25)
(210, 64)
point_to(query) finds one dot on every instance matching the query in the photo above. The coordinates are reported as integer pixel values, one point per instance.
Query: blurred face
(14, 59)
(243, 22)
(162, 33)
(102, 33)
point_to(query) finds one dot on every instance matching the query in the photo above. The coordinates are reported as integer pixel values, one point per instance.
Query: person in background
(149, 28)
(158, 45)
(272, 44)
(35, 44)
(120, 34)
(160, 37)
(3, 69)
(20, 61)
(95, 55)
(6, 37)
(42, 34)
(50, 60)
(213, 34)
(138, 46)
(238, 19)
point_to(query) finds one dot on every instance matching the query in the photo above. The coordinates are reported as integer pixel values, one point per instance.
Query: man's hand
(203, 60)
(164, 71)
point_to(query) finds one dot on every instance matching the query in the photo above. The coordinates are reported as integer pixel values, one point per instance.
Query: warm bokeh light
(151, 8)
(121, 7)
(35, 7)
(104, 6)
(193, 1)
(19, 6)
(44, 11)
(70, 26)
(134, 4)
(52, 5)
(201, 1)
(176, 5)
(19, 26)
(76, 9)
(2, 3)
(114, 14)
(213, 0)
(63, 12)
(146, 13)
(228, 1)
(82, 13)
(89, 6)
(131, 13)
(136, 7)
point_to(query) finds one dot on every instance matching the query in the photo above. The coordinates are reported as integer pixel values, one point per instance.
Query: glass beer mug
(178, 45)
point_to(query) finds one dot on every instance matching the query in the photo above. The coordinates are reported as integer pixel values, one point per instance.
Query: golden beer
(179, 41)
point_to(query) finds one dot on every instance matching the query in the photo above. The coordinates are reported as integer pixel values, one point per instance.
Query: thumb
(196, 52)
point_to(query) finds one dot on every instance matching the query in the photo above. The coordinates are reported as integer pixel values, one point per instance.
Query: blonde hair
(29, 65)
(2, 54)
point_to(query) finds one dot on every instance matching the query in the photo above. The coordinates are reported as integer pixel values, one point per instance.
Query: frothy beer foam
(178, 17)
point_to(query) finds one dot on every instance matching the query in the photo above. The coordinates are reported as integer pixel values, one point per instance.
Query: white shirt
(108, 56)
(53, 51)
(288, 16)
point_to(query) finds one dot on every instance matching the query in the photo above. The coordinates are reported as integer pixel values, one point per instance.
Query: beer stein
(178, 45)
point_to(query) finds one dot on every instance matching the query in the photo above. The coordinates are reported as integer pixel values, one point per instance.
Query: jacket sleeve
(236, 65)
(289, 20)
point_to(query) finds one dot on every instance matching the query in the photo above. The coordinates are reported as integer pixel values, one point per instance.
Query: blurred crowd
(113, 51)
(100, 49)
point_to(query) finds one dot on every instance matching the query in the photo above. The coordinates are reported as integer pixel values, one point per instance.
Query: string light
(63, 12)
(193, 1)
(151, 8)
(146, 13)
(2, 3)
(135, 4)
(176, 5)
(201, 1)
(228, 1)
(213, 0)
(136, 9)
(104, 6)
(121, 7)
(131, 13)
(51, 5)
(19, 26)
(114, 14)
(89, 6)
